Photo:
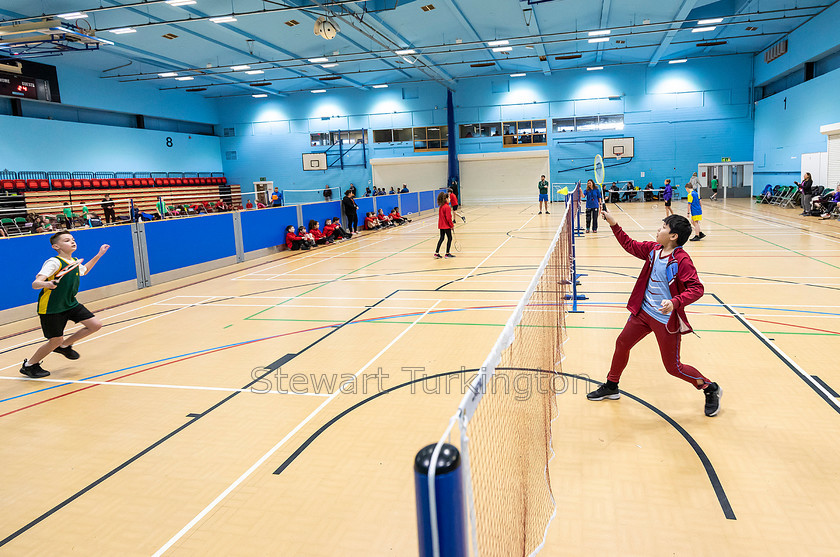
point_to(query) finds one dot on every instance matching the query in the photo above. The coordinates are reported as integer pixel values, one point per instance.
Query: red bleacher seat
(76, 184)
(8, 185)
(223, 180)
(120, 183)
(97, 184)
(86, 184)
(178, 181)
(31, 185)
(158, 181)
(20, 185)
(43, 185)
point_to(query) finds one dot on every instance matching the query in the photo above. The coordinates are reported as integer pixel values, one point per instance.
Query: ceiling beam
(462, 19)
(533, 27)
(605, 16)
(682, 13)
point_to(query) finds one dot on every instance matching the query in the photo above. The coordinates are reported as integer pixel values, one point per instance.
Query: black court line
(787, 361)
(271, 368)
(825, 386)
(723, 500)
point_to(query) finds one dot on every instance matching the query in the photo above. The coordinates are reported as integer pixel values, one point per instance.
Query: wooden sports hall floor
(167, 436)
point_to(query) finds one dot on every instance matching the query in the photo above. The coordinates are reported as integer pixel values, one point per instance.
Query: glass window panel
(444, 144)
(419, 145)
(434, 144)
(564, 125)
(510, 140)
(433, 133)
(419, 133)
(491, 130)
(589, 123)
(444, 130)
(539, 138)
(539, 126)
(510, 128)
(612, 122)
(525, 139)
(382, 136)
(469, 130)
(402, 134)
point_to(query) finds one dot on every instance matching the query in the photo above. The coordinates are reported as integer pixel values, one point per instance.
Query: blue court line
(130, 367)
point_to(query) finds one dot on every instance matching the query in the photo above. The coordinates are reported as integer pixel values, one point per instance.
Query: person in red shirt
(371, 223)
(315, 230)
(445, 224)
(453, 201)
(221, 206)
(249, 205)
(293, 241)
(667, 283)
(338, 231)
(396, 217)
(384, 219)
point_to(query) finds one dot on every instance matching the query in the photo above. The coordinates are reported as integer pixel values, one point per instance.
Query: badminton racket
(66, 270)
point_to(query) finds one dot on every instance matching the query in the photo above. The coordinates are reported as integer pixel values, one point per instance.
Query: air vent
(543, 58)
(229, 132)
(712, 43)
(483, 65)
(329, 78)
(427, 8)
(195, 89)
(619, 41)
(292, 23)
(751, 28)
(775, 51)
(230, 155)
(260, 84)
(567, 56)
(170, 36)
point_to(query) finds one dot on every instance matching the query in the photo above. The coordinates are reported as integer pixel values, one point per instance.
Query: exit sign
(725, 159)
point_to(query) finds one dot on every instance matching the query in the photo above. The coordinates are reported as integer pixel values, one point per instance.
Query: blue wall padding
(24, 256)
(320, 212)
(173, 244)
(409, 203)
(266, 228)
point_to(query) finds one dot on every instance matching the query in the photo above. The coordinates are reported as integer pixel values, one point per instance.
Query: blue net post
(575, 197)
(449, 503)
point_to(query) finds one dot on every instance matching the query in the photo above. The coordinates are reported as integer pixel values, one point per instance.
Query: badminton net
(505, 418)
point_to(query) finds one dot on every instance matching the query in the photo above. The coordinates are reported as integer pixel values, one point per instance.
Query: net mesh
(506, 432)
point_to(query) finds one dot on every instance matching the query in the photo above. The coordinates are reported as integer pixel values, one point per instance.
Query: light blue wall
(680, 115)
(787, 124)
(813, 39)
(80, 87)
(35, 144)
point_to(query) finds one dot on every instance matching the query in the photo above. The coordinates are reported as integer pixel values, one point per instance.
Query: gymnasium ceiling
(449, 38)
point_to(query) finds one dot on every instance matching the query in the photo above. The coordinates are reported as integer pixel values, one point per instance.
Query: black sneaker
(695, 239)
(603, 392)
(34, 371)
(539, 213)
(437, 256)
(547, 213)
(702, 235)
(449, 255)
(713, 394)
(67, 352)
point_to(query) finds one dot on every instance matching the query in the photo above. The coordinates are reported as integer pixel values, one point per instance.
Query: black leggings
(353, 222)
(592, 215)
(445, 233)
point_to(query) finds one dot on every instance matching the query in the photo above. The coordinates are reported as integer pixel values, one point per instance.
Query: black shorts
(668, 203)
(455, 207)
(53, 323)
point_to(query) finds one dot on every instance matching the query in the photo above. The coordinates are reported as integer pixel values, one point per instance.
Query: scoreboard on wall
(25, 79)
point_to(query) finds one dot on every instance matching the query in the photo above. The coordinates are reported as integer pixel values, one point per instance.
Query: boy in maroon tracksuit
(667, 283)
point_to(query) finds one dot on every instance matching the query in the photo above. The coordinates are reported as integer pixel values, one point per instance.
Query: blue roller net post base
(448, 526)
(575, 278)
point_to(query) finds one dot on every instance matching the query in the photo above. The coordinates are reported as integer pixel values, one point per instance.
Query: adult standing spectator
(276, 198)
(350, 211)
(807, 192)
(327, 193)
(352, 189)
(695, 183)
(108, 209)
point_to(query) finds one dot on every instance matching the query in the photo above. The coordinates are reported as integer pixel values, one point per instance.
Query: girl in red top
(384, 219)
(453, 200)
(293, 241)
(396, 217)
(315, 230)
(445, 224)
(370, 222)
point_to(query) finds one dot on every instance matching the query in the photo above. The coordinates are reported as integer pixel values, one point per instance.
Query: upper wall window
(468, 131)
(332, 138)
(524, 133)
(392, 136)
(589, 123)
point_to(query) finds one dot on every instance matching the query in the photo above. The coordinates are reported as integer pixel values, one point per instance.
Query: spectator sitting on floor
(395, 216)
(221, 206)
(320, 237)
(370, 222)
(309, 238)
(384, 219)
(260, 205)
(293, 241)
(339, 231)
(249, 205)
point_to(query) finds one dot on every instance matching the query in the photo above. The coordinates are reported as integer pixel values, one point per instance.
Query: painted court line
(276, 447)
(483, 261)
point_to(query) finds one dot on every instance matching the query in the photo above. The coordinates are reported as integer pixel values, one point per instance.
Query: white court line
(509, 238)
(391, 280)
(160, 386)
(788, 224)
(97, 336)
(375, 298)
(276, 447)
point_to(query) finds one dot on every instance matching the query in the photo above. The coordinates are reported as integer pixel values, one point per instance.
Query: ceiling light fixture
(600, 40)
(710, 21)
(73, 15)
(703, 29)
(185, 78)
(240, 68)
(503, 49)
(680, 61)
(380, 86)
(318, 60)
(177, 3)
(594, 68)
(406, 51)
(254, 72)
(518, 75)
(318, 91)
(329, 65)
(223, 19)
(498, 43)
(409, 60)
(260, 96)
(123, 30)
(168, 74)
(601, 32)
